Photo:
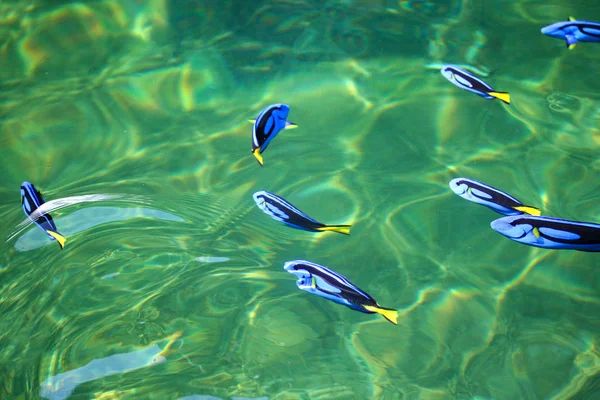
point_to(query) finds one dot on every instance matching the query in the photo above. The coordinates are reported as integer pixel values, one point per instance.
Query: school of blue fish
(525, 224)
(520, 222)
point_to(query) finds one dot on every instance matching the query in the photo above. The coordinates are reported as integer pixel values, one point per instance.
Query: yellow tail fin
(172, 339)
(505, 97)
(345, 229)
(59, 238)
(529, 210)
(389, 314)
(259, 158)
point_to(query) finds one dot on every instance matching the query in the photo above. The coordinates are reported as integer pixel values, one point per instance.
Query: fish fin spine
(290, 125)
(529, 210)
(504, 96)
(257, 155)
(59, 238)
(572, 19)
(388, 313)
(345, 229)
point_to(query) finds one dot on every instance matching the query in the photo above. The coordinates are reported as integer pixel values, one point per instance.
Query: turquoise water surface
(133, 116)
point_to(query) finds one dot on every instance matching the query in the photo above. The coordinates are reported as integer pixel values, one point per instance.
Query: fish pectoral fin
(529, 210)
(257, 155)
(536, 233)
(59, 238)
(505, 97)
(290, 125)
(388, 313)
(345, 229)
(570, 41)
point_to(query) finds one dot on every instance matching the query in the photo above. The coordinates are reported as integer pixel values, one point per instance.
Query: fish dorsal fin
(572, 19)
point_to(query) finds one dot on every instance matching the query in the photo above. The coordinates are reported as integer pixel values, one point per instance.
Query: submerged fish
(282, 211)
(317, 279)
(550, 233)
(61, 386)
(31, 199)
(467, 81)
(573, 31)
(497, 200)
(267, 125)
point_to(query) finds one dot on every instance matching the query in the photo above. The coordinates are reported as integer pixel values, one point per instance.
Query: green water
(175, 287)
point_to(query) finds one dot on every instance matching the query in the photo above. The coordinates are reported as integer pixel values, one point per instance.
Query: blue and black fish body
(550, 233)
(270, 121)
(573, 31)
(468, 81)
(486, 195)
(317, 279)
(31, 200)
(281, 210)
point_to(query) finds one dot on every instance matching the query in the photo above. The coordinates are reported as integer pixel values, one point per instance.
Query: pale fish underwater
(31, 200)
(281, 210)
(317, 279)
(270, 121)
(469, 82)
(573, 31)
(550, 233)
(486, 195)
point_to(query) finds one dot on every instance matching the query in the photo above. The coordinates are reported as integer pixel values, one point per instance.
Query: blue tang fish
(467, 81)
(31, 199)
(282, 211)
(317, 279)
(497, 200)
(573, 31)
(549, 233)
(267, 125)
